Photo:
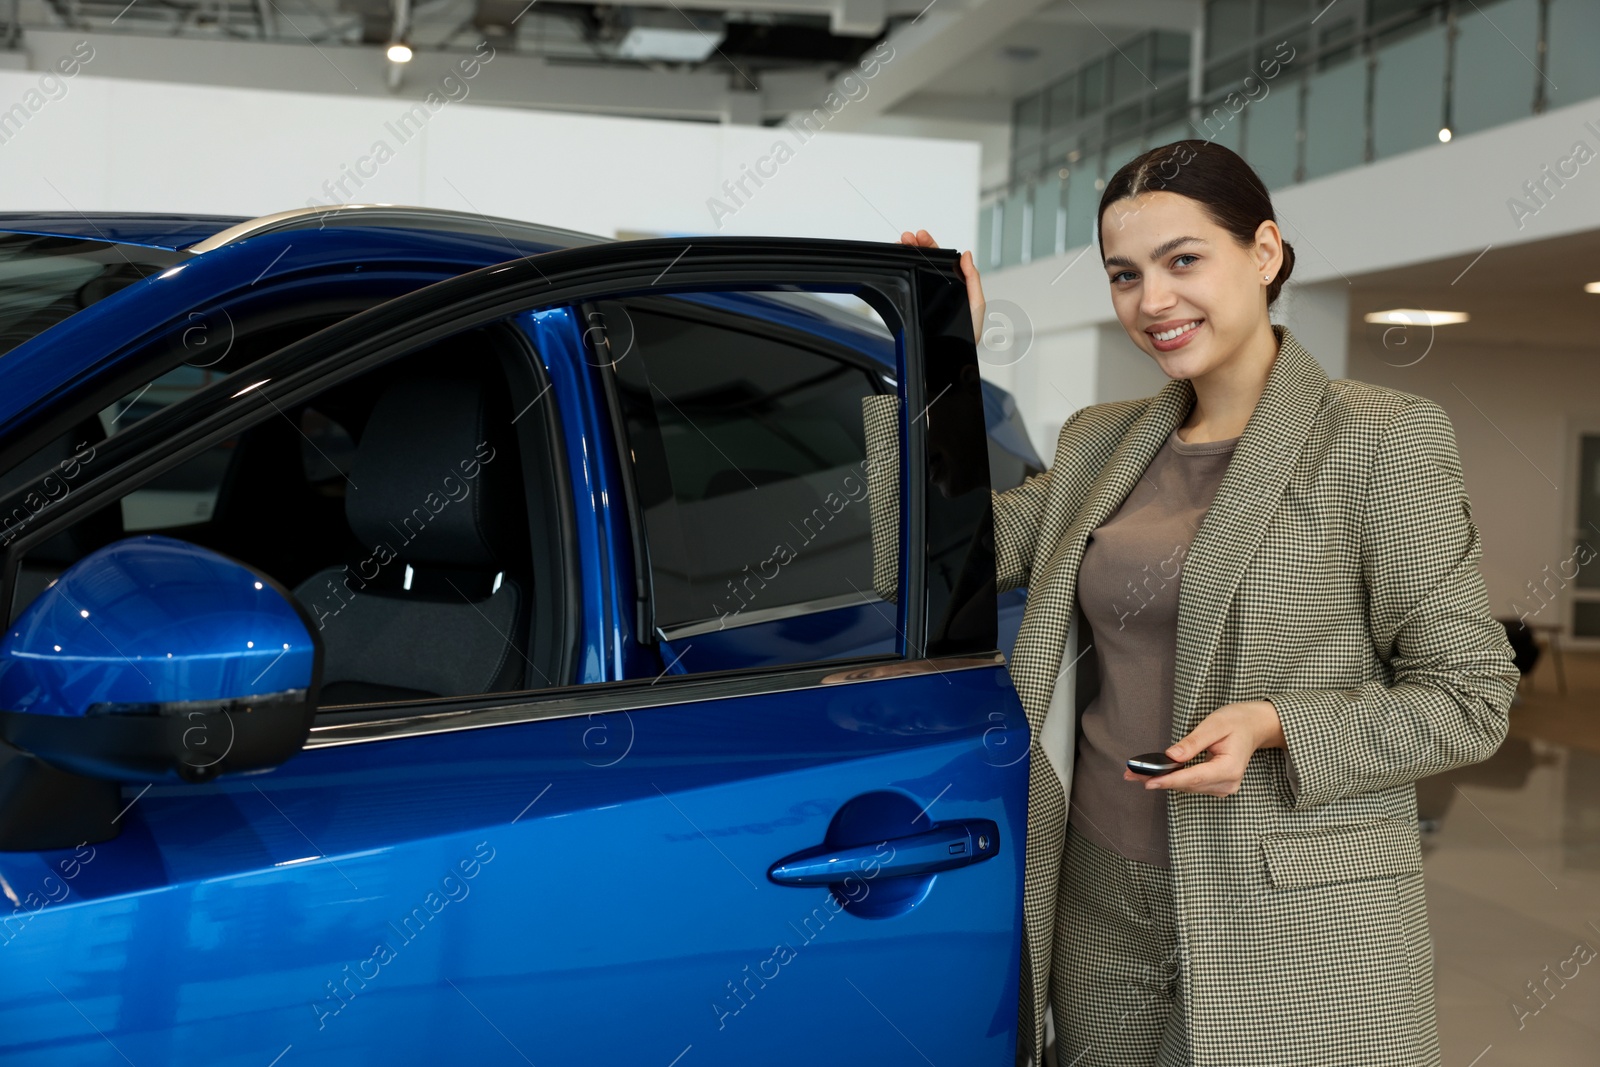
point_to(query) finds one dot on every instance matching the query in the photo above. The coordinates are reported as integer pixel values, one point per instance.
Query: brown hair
(1225, 186)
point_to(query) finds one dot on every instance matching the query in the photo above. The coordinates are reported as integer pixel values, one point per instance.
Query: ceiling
(1058, 37)
(759, 61)
(1504, 290)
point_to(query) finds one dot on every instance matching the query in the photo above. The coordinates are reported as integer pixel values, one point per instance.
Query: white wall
(87, 143)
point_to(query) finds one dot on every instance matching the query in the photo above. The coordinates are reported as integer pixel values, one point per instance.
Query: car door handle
(949, 844)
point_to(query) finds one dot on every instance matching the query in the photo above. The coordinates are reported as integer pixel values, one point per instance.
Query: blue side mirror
(152, 658)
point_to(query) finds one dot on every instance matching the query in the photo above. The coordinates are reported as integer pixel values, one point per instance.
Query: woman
(1320, 641)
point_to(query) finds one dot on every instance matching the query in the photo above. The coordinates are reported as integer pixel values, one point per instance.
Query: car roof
(201, 233)
(197, 233)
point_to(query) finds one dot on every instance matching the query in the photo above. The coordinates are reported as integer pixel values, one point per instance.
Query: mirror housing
(154, 658)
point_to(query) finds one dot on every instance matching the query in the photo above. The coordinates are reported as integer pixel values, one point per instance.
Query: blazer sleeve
(1429, 619)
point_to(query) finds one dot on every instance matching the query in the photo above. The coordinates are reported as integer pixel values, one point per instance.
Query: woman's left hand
(1230, 736)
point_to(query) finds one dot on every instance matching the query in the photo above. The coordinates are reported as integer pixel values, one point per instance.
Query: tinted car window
(749, 460)
(189, 353)
(45, 279)
(393, 506)
(187, 494)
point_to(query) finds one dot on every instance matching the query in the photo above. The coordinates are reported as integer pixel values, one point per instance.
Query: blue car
(433, 638)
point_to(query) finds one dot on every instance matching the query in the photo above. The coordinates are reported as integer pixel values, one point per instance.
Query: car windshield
(44, 279)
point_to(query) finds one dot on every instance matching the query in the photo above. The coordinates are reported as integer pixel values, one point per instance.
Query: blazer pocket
(1381, 848)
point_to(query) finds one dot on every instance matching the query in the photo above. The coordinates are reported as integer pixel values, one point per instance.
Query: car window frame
(934, 326)
(560, 597)
(60, 414)
(648, 626)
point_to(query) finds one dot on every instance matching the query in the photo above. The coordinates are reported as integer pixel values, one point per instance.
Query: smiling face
(1172, 269)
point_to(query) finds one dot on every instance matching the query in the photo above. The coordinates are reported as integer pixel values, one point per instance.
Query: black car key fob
(1152, 763)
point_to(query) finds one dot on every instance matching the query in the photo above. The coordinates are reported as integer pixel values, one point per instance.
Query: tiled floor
(1513, 876)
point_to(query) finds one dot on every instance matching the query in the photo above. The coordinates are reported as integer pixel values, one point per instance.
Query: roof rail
(396, 215)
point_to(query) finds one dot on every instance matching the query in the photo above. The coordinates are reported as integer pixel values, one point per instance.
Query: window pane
(1046, 209)
(1029, 122)
(1574, 39)
(1408, 94)
(1120, 153)
(1227, 75)
(186, 494)
(1094, 86)
(1128, 69)
(1219, 121)
(1330, 38)
(1270, 132)
(1012, 214)
(1276, 13)
(394, 507)
(1395, 11)
(749, 458)
(1059, 152)
(1333, 141)
(1062, 106)
(1171, 55)
(45, 279)
(1124, 122)
(984, 253)
(1083, 200)
(1227, 26)
(205, 346)
(1169, 105)
(1493, 84)
(1177, 131)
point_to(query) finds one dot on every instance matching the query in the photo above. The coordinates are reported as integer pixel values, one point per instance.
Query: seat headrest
(432, 478)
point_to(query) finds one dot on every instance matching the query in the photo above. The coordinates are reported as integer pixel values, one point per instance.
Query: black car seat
(437, 603)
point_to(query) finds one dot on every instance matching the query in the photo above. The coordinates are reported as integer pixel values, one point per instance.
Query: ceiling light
(399, 52)
(1592, 287)
(1415, 317)
(1444, 134)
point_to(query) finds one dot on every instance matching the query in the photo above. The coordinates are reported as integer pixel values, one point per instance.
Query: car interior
(419, 524)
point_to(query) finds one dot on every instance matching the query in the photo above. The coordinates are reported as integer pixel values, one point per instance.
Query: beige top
(1128, 589)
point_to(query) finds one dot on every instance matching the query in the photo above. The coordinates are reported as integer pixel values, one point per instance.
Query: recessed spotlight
(399, 52)
(1444, 134)
(1415, 317)
(1592, 287)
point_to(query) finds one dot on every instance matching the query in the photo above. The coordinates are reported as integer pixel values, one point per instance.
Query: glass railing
(1471, 67)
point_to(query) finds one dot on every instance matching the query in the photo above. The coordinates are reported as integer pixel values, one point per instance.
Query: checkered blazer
(1336, 575)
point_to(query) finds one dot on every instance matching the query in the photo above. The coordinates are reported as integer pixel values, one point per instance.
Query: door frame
(921, 290)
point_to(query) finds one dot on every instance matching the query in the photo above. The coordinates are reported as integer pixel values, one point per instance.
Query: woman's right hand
(969, 270)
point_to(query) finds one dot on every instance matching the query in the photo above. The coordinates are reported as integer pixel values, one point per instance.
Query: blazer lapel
(1237, 519)
(1234, 524)
(1166, 411)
